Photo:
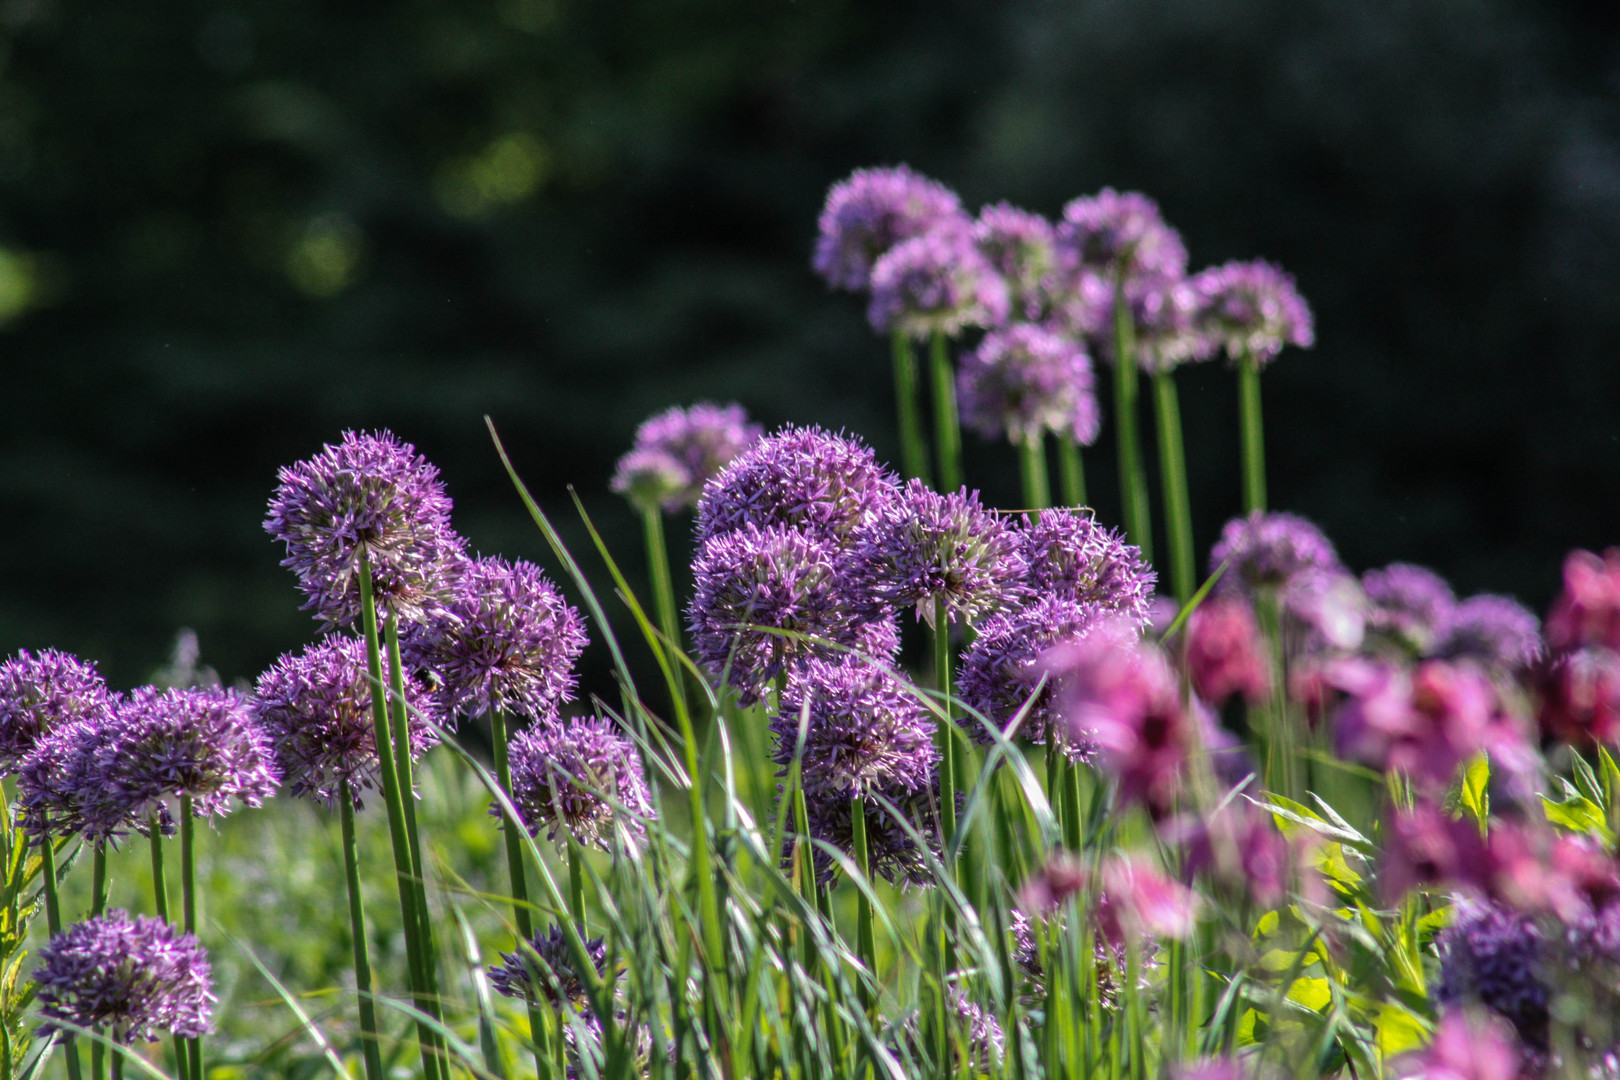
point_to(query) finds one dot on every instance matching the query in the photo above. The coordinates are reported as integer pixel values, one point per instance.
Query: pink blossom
(1466, 1046)
(1225, 655)
(1587, 612)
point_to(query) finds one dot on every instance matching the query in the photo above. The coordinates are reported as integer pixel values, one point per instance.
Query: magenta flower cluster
(678, 451)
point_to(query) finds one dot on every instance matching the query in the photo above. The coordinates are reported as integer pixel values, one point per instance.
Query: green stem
(866, 939)
(1254, 438)
(1032, 470)
(913, 446)
(576, 883)
(947, 431)
(188, 907)
(518, 878)
(945, 734)
(1133, 490)
(160, 902)
(53, 923)
(1072, 472)
(357, 927)
(98, 904)
(1173, 474)
(652, 520)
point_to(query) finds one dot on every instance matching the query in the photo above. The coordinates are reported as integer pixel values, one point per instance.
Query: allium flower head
(505, 636)
(678, 451)
(60, 778)
(1407, 602)
(1164, 313)
(1252, 308)
(1123, 233)
(1491, 956)
(936, 283)
(127, 978)
(892, 854)
(371, 497)
(985, 1039)
(315, 710)
(806, 478)
(1018, 245)
(1225, 654)
(1498, 631)
(1268, 549)
(1069, 555)
(559, 982)
(582, 776)
(1026, 380)
(865, 730)
(999, 672)
(41, 693)
(868, 214)
(925, 548)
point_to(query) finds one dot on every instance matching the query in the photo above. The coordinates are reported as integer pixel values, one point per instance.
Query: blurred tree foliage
(229, 231)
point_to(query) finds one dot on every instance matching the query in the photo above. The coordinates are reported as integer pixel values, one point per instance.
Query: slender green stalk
(357, 927)
(913, 446)
(1133, 489)
(1071, 472)
(1254, 437)
(576, 883)
(516, 877)
(188, 907)
(865, 938)
(947, 430)
(117, 1066)
(98, 904)
(1173, 475)
(53, 923)
(1032, 470)
(652, 521)
(160, 903)
(945, 734)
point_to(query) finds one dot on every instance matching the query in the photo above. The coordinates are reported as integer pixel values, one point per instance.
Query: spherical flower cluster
(891, 823)
(582, 776)
(1408, 602)
(871, 212)
(678, 451)
(1498, 631)
(1252, 309)
(127, 978)
(505, 639)
(1019, 246)
(936, 283)
(547, 972)
(1069, 555)
(1491, 956)
(865, 732)
(1580, 696)
(371, 500)
(59, 783)
(1164, 314)
(1264, 550)
(39, 694)
(1113, 232)
(1000, 679)
(986, 1041)
(1026, 380)
(315, 709)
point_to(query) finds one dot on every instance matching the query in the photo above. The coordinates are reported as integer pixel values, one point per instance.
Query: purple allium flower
(865, 730)
(1466, 1046)
(999, 672)
(127, 978)
(804, 477)
(1252, 308)
(925, 548)
(315, 710)
(936, 283)
(1587, 611)
(985, 1039)
(1407, 602)
(1069, 555)
(1492, 956)
(506, 637)
(1225, 654)
(1164, 313)
(678, 451)
(1123, 233)
(582, 776)
(1580, 696)
(891, 852)
(1240, 851)
(764, 599)
(559, 982)
(59, 778)
(868, 214)
(1268, 549)
(1018, 245)
(1026, 380)
(371, 497)
(1498, 631)
(39, 694)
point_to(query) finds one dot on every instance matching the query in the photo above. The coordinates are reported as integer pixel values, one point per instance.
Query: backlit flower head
(315, 710)
(1026, 380)
(1252, 308)
(371, 497)
(868, 214)
(127, 978)
(999, 671)
(1019, 246)
(582, 776)
(936, 283)
(1407, 602)
(1070, 555)
(653, 479)
(1587, 610)
(865, 730)
(1268, 549)
(1225, 654)
(60, 778)
(1122, 233)
(554, 979)
(1498, 631)
(892, 854)
(678, 451)
(39, 693)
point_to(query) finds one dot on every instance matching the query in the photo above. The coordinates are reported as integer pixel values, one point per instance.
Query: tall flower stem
(1173, 477)
(98, 904)
(947, 429)
(865, 938)
(188, 907)
(945, 732)
(1072, 472)
(517, 877)
(1133, 489)
(913, 446)
(1254, 437)
(53, 923)
(369, 1048)
(652, 521)
(160, 903)
(1032, 470)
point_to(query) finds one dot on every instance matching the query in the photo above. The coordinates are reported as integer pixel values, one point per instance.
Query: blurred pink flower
(1225, 655)
(1466, 1046)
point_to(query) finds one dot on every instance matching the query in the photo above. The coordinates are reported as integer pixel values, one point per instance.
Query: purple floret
(1019, 246)
(678, 451)
(556, 983)
(60, 780)
(1493, 957)
(582, 776)
(1026, 380)
(40, 693)
(371, 497)
(127, 978)
(1070, 556)
(1164, 313)
(1254, 309)
(999, 672)
(1269, 549)
(868, 214)
(506, 638)
(1114, 232)
(936, 283)
(865, 730)
(1498, 631)
(315, 710)
(1409, 602)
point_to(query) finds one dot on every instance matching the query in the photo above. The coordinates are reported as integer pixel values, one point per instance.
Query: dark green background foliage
(228, 232)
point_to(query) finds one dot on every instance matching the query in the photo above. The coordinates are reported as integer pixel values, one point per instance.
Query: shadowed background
(229, 232)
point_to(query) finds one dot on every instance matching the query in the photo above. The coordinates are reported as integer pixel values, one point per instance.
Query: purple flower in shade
(1000, 671)
(936, 283)
(1119, 233)
(1266, 550)
(925, 548)
(1069, 555)
(1254, 309)
(1498, 631)
(824, 484)
(1580, 696)
(39, 694)
(558, 982)
(1019, 246)
(314, 708)
(127, 978)
(505, 638)
(582, 776)
(678, 451)
(1492, 956)
(865, 730)
(1224, 653)
(892, 817)
(871, 212)
(763, 600)
(1164, 314)
(59, 778)
(1587, 611)
(1026, 380)
(369, 497)
(1466, 1046)
(1407, 602)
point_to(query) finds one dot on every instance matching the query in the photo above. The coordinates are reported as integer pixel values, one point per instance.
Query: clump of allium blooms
(1253, 309)
(505, 638)
(805, 478)
(1119, 233)
(678, 451)
(369, 498)
(1069, 555)
(1498, 631)
(871, 212)
(315, 710)
(582, 776)
(1266, 550)
(926, 548)
(1225, 654)
(865, 730)
(892, 854)
(39, 694)
(127, 978)
(1407, 602)
(1466, 1046)
(1491, 956)
(1026, 380)
(1019, 246)
(558, 982)
(999, 672)
(59, 779)
(936, 283)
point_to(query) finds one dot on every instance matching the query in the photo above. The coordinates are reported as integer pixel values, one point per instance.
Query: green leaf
(1247, 1023)
(1585, 779)
(1290, 814)
(1399, 1030)
(1473, 795)
(1578, 814)
(1313, 994)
